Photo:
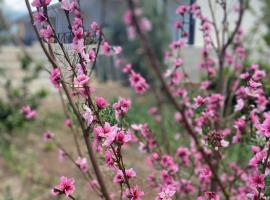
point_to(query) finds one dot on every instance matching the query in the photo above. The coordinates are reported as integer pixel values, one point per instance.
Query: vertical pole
(191, 34)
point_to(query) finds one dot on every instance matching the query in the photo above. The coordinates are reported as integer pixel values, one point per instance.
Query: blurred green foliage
(16, 94)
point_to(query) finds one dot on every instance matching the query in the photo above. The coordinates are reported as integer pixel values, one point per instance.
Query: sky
(18, 5)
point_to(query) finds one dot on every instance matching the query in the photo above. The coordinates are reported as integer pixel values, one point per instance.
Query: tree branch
(155, 66)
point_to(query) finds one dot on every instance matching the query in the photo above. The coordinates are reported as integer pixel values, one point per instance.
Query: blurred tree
(3, 24)
(155, 11)
(4, 37)
(266, 20)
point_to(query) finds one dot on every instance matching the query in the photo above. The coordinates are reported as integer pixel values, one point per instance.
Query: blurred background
(26, 162)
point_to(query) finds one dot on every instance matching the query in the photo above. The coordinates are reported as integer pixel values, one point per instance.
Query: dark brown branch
(77, 113)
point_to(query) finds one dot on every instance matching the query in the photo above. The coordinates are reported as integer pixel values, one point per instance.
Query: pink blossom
(186, 186)
(178, 62)
(121, 107)
(131, 31)
(167, 162)
(127, 69)
(66, 186)
(101, 102)
(135, 78)
(211, 196)
(81, 80)
(105, 130)
(78, 45)
(177, 44)
(138, 82)
(82, 163)
(239, 124)
(122, 138)
(110, 137)
(125, 104)
(145, 25)
(178, 116)
(48, 136)
(28, 112)
(106, 48)
(127, 17)
(31, 115)
(109, 159)
(130, 173)
(166, 194)
(153, 110)
(262, 101)
(40, 3)
(55, 77)
(241, 52)
(95, 27)
(183, 153)
(224, 143)
(176, 77)
(92, 55)
(265, 127)
(257, 158)
(46, 33)
(61, 155)
(39, 18)
(181, 10)
(93, 183)
(205, 173)
(257, 180)
(240, 105)
(66, 5)
(205, 84)
(199, 101)
(117, 50)
(258, 75)
(244, 76)
(134, 193)
(88, 115)
(68, 122)
(79, 69)
(119, 177)
(178, 24)
(253, 84)
(255, 149)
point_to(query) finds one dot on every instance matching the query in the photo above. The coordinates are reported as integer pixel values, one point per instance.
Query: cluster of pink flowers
(28, 112)
(66, 186)
(136, 80)
(121, 107)
(144, 23)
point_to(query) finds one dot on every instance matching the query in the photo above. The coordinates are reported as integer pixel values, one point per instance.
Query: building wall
(106, 11)
(171, 10)
(25, 31)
